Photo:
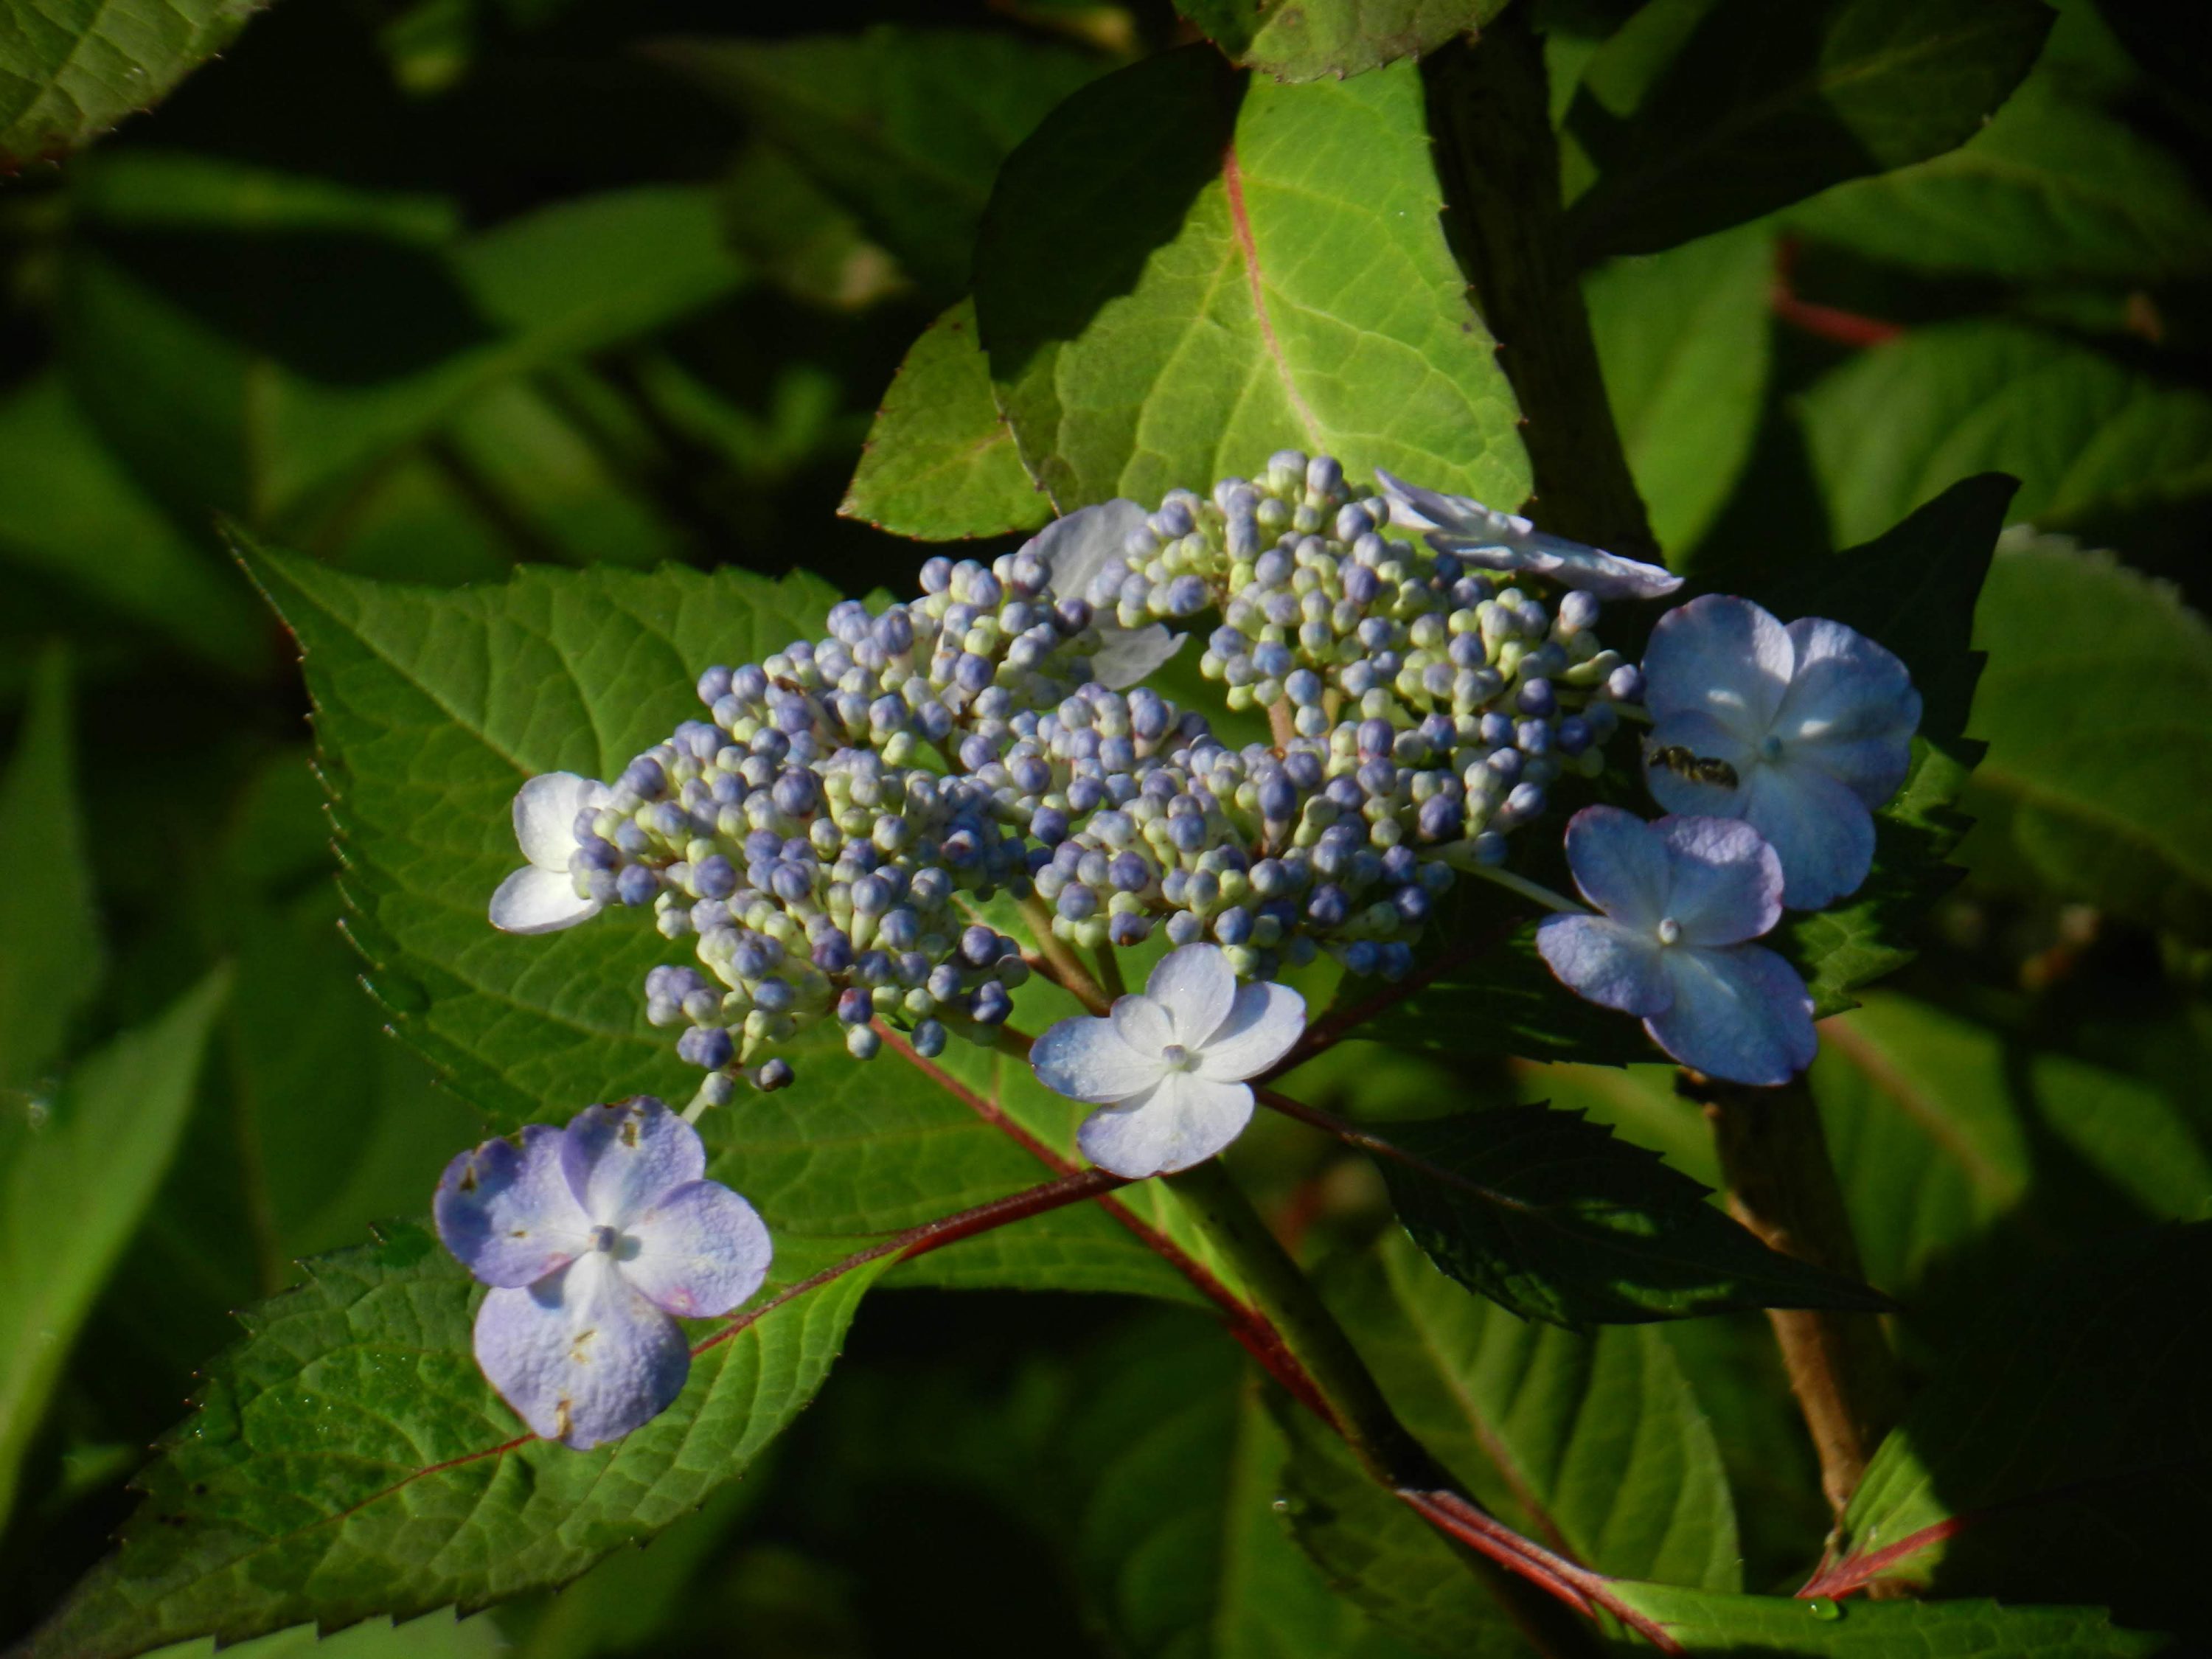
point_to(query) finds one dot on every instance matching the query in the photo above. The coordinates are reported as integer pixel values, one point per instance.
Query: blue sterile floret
(821, 836)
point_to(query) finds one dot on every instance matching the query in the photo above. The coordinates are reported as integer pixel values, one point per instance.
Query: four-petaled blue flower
(1480, 535)
(592, 1237)
(1682, 899)
(1798, 730)
(1169, 1066)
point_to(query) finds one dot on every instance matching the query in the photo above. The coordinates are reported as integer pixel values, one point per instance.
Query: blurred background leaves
(433, 290)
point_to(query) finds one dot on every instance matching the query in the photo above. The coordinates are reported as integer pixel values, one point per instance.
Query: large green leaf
(2064, 1454)
(940, 462)
(1181, 273)
(69, 69)
(1705, 115)
(433, 707)
(2051, 190)
(1683, 339)
(349, 1459)
(1333, 37)
(49, 946)
(1553, 1217)
(434, 1636)
(2081, 430)
(76, 1170)
(906, 126)
(251, 340)
(2097, 707)
(1775, 1626)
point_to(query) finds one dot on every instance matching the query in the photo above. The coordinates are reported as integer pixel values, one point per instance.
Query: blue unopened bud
(636, 885)
(771, 1075)
(645, 778)
(929, 1038)
(1626, 683)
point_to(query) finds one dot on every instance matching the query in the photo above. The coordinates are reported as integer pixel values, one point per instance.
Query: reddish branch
(1844, 328)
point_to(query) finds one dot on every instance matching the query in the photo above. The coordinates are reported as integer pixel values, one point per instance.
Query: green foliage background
(464, 293)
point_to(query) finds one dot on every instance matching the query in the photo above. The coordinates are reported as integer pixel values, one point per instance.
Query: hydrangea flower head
(1482, 536)
(542, 896)
(1800, 730)
(1680, 900)
(1169, 1066)
(593, 1237)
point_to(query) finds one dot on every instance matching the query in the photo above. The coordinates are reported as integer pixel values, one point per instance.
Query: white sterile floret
(541, 897)
(1077, 550)
(1170, 1066)
(1800, 730)
(1485, 536)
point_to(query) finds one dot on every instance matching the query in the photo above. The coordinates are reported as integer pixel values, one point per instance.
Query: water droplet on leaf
(1826, 1608)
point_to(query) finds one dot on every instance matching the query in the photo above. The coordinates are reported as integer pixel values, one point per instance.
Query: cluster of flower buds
(819, 834)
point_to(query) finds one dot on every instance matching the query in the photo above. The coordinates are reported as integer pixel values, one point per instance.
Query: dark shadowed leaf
(1780, 1627)
(1180, 274)
(1338, 38)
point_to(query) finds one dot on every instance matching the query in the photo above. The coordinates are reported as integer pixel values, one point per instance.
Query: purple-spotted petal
(1265, 1023)
(621, 1157)
(1726, 880)
(1183, 1119)
(581, 1357)
(1605, 963)
(506, 1210)
(1087, 1058)
(1142, 1023)
(1196, 985)
(545, 810)
(1742, 1014)
(1619, 864)
(535, 901)
(1721, 656)
(699, 1252)
(1821, 831)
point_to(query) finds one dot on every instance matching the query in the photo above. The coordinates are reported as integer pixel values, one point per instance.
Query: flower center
(1670, 930)
(1176, 1056)
(1770, 749)
(604, 1238)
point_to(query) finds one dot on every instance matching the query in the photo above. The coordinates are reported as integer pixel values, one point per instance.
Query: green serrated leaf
(76, 1170)
(1333, 37)
(51, 958)
(940, 462)
(69, 69)
(1771, 1626)
(906, 126)
(1708, 115)
(2050, 190)
(2064, 1453)
(349, 1459)
(2083, 431)
(433, 707)
(2097, 784)
(1684, 339)
(1549, 1215)
(1180, 273)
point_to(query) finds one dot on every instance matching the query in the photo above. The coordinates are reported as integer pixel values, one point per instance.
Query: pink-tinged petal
(1142, 1023)
(1619, 864)
(1821, 831)
(699, 1252)
(535, 901)
(1265, 1023)
(545, 810)
(1605, 963)
(506, 1212)
(1183, 1119)
(621, 1157)
(1196, 985)
(581, 1357)
(1075, 548)
(1726, 880)
(1721, 656)
(1742, 1014)
(1677, 782)
(1087, 1059)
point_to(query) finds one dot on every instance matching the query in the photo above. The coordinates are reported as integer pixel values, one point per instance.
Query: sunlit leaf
(1333, 37)
(69, 69)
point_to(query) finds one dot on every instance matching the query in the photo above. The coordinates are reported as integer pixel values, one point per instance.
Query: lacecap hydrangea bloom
(819, 837)
(1801, 731)
(1680, 902)
(595, 1238)
(1168, 1068)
